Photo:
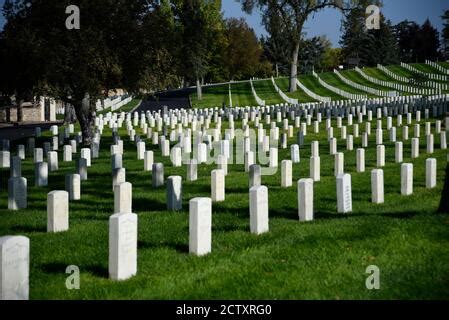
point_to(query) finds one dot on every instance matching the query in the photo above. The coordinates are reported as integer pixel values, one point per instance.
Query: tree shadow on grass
(444, 202)
(29, 229)
(179, 247)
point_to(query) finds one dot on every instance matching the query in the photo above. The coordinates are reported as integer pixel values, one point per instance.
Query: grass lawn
(242, 95)
(214, 96)
(265, 90)
(311, 83)
(283, 84)
(357, 78)
(333, 80)
(323, 259)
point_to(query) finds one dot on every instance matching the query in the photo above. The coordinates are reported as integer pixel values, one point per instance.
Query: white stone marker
(315, 149)
(140, 150)
(344, 193)
(315, 170)
(16, 167)
(339, 164)
(222, 163)
(429, 140)
(406, 179)
(350, 143)
(122, 246)
(258, 209)
(174, 193)
(431, 173)
(116, 161)
(5, 159)
(200, 226)
(443, 140)
(218, 185)
(73, 186)
(274, 158)
(57, 211)
(118, 177)
(52, 158)
(360, 160)
(86, 154)
(405, 133)
(305, 199)
(176, 157)
(333, 146)
(21, 151)
(123, 198)
(41, 174)
(158, 175)
(286, 173)
(14, 268)
(379, 136)
(380, 156)
(81, 166)
(67, 154)
(377, 186)
(17, 193)
(38, 155)
(192, 170)
(415, 148)
(148, 160)
(398, 152)
(294, 152)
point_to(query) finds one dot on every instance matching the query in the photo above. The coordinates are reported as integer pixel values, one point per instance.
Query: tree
(332, 59)
(445, 34)
(201, 22)
(406, 36)
(243, 53)
(428, 42)
(380, 45)
(294, 14)
(74, 66)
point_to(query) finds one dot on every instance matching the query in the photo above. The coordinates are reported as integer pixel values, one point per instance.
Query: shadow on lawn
(179, 247)
(444, 202)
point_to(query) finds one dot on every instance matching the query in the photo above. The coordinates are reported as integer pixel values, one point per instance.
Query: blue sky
(327, 22)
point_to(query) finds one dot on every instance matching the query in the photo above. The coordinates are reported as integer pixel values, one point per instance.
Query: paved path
(175, 99)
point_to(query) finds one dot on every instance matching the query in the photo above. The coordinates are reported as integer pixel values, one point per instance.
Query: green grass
(425, 68)
(323, 259)
(283, 84)
(265, 90)
(311, 83)
(214, 96)
(242, 95)
(333, 80)
(445, 64)
(357, 78)
(401, 71)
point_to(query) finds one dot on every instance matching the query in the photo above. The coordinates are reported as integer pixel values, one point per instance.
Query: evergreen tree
(445, 34)
(406, 36)
(428, 42)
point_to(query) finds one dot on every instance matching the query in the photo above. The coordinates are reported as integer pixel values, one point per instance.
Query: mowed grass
(284, 85)
(357, 78)
(213, 96)
(265, 90)
(311, 83)
(242, 95)
(333, 80)
(324, 259)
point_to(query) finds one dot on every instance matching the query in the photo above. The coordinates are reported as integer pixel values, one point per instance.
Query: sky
(327, 22)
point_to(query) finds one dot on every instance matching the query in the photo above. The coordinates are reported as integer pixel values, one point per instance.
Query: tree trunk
(294, 68)
(86, 117)
(199, 91)
(69, 113)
